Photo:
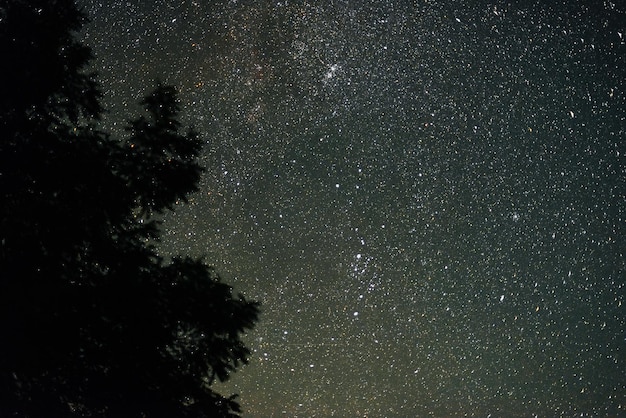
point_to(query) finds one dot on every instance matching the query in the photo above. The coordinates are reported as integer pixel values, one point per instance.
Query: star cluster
(427, 197)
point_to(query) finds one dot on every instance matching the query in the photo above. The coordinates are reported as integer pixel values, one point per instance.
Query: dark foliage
(92, 321)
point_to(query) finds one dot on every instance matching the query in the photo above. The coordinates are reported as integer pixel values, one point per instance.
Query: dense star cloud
(428, 197)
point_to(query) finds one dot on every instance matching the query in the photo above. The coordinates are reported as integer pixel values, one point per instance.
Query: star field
(427, 197)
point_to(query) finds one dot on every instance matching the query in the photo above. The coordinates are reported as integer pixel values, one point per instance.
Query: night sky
(428, 197)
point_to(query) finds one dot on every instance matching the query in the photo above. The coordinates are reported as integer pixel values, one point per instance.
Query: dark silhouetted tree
(93, 322)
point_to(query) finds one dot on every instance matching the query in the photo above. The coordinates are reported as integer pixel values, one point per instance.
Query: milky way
(427, 197)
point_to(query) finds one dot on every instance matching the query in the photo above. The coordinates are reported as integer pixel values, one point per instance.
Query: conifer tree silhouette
(93, 322)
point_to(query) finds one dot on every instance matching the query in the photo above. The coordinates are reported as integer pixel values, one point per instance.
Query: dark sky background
(427, 196)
